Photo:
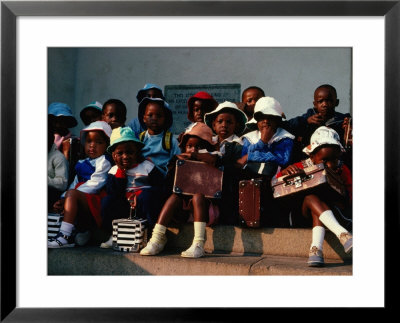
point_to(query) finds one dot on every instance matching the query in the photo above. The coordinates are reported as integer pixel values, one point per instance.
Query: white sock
(318, 235)
(158, 233)
(66, 228)
(199, 232)
(328, 219)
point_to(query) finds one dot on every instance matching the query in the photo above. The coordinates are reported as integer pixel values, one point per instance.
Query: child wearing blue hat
(61, 119)
(81, 203)
(159, 143)
(91, 113)
(148, 91)
(133, 180)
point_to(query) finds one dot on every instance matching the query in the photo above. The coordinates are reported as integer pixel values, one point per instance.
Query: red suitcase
(250, 202)
(193, 177)
(314, 179)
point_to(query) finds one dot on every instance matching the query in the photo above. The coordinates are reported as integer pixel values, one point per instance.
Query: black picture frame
(10, 10)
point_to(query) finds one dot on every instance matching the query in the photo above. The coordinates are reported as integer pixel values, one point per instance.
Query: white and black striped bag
(129, 235)
(53, 224)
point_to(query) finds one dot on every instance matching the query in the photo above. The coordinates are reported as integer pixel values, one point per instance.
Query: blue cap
(122, 134)
(141, 93)
(58, 109)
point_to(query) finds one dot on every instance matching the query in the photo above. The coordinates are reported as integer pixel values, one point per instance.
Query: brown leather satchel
(313, 179)
(194, 177)
(250, 202)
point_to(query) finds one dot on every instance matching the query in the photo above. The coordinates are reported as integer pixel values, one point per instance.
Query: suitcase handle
(303, 177)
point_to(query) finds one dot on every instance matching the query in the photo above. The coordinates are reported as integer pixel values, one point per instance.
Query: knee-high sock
(318, 235)
(328, 219)
(158, 233)
(199, 232)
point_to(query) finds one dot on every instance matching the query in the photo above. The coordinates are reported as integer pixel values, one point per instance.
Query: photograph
(205, 162)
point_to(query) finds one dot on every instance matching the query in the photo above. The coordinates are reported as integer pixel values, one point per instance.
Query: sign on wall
(178, 95)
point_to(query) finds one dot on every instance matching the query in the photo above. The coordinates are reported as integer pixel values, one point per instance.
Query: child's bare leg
(171, 206)
(158, 238)
(200, 215)
(75, 201)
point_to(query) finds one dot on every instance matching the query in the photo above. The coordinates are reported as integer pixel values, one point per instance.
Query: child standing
(269, 147)
(196, 144)
(228, 121)
(132, 178)
(81, 203)
(114, 113)
(250, 97)
(91, 113)
(159, 144)
(325, 147)
(61, 119)
(148, 91)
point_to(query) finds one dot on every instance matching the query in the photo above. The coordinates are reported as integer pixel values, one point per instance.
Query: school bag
(167, 139)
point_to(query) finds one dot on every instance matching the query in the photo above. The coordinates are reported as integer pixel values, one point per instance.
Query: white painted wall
(78, 76)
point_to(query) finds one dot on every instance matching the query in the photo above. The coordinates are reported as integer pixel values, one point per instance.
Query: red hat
(202, 96)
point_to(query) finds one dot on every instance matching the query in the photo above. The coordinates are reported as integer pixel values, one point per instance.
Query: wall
(288, 74)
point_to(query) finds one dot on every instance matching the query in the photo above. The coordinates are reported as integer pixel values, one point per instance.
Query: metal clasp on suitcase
(297, 179)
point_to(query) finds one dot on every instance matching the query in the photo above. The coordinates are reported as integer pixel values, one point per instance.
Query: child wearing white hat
(228, 123)
(269, 147)
(81, 203)
(324, 147)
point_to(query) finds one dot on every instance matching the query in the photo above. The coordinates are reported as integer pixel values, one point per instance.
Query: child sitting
(114, 113)
(269, 147)
(228, 121)
(91, 113)
(149, 91)
(81, 203)
(325, 147)
(159, 144)
(196, 145)
(61, 119)
(132, 177)
(57, 171)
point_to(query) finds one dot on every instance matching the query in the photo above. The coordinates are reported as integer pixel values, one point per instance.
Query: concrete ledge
(96, 261)
(288, 242)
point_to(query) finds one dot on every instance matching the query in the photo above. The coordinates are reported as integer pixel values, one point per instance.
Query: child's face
(59, 126)
(250, 98)
(95, 144)
(113, 116)
(154, 118)
(327, 155)
(198, 110)
(90, 115)
(154, 93)
(224, 125)
(268, 122)
(126, 155)
(193, 144)
(325, 102)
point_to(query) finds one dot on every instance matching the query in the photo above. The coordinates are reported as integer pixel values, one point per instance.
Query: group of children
(133, 166)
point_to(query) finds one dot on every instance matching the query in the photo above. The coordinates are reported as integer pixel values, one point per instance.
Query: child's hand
(292, 169)
(266, 132)
(132, 200)
(59, 206)
(241, 161)
(316, 119)
(184, 156)
(346, 122)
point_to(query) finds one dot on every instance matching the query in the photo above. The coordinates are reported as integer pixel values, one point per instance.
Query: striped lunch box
(53, 224)
(129, 235)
